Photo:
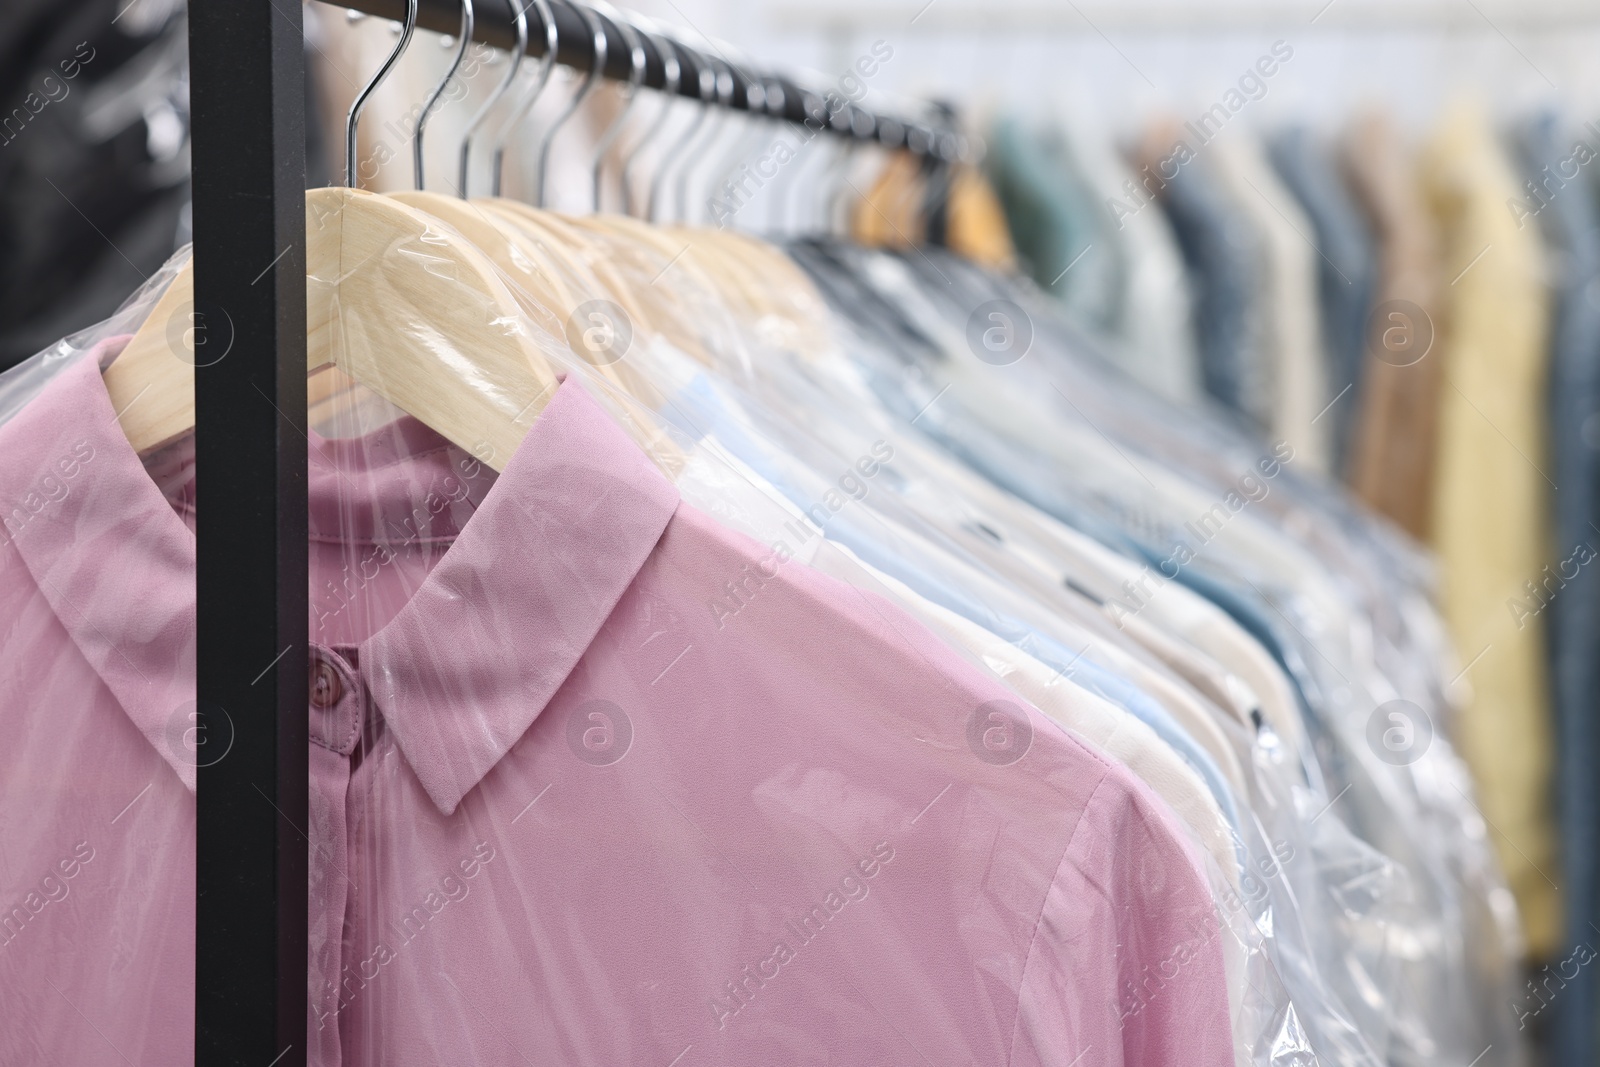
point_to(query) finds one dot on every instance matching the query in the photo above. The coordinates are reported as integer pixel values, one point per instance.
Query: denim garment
(1562, 205)
(1154, 340)
(1347, 268)
(1054, 223)
(1225, 264)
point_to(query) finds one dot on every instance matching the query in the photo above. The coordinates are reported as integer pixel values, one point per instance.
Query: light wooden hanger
(552, 268)
(554, 272)
(384, 284)
(525, 264)
(571, 266)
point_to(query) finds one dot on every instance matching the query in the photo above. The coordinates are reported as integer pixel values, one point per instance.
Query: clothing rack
(247, 89)
(739, 86)
(248, 166)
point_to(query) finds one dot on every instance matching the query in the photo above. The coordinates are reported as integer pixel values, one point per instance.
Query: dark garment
(93, 162)
(1564, 208)
(94, 166)
(1395, 438)
(1056, 223)
(1226, 265)
(1346, 269)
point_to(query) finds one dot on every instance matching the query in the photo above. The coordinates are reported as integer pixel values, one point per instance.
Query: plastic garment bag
(1321, 631)
(598, 776)
(97, 686)
(838, 508)
(731, 717)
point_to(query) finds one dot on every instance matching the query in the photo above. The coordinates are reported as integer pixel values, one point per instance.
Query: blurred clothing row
(1420, 318)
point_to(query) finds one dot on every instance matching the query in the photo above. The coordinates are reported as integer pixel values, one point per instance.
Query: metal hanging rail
(758, 92)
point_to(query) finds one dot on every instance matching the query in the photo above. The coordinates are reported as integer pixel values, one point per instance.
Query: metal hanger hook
(708, 87)
(724, 201)
(520, 21)
(723, 81)
(547, 63)
(438, 92)
(360, 102)
(590, 80)
(814, 107)
(672, 74)
(636, 61)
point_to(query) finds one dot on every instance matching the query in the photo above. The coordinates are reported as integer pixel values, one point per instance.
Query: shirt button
(326, 688)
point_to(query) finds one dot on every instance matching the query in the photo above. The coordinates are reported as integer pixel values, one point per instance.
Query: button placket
(334, 701)
(326, 686)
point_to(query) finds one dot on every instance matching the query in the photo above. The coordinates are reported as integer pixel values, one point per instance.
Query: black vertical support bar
(247, 97)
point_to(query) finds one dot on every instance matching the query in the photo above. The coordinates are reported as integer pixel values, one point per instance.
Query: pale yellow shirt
(1491, 500)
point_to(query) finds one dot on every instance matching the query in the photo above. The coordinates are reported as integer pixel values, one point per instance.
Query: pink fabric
(97, 813)
(595, 818)
(562, 810)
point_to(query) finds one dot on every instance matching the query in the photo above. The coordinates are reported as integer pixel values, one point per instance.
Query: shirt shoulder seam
(1033, 939)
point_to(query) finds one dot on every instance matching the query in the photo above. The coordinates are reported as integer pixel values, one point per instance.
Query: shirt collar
(464, 668)
(498, 624)
(113, 560)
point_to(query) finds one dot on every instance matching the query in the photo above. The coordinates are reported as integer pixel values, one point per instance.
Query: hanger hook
(744, 147)
(777, 96)
(672, 74)
(529, 95)
(520, 22)
(778, 188)
(723, 81)
(865, 127)
(838, 169)
(361, 98)
(636, 60)
(708, 84)
(590, 80)
(438, 92)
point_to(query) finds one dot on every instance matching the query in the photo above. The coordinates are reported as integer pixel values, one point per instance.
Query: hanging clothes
(1097, 494)
(1345, 265)
(735, 652)
(1491, 499)
(1059, 228)
(1293, 406)
(1395, 435)
(1227, 272)
(97, 800)
(1153, 325)
(1561, 204)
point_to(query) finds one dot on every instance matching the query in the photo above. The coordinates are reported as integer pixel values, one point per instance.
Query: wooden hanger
(384, 283)
(151, 382)
(527, 264)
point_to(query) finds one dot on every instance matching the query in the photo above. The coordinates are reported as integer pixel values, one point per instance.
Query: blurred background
(92, 199)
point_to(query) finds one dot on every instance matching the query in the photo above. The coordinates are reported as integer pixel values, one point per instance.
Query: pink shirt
(562, 810)
(597, 819)
(97, 769)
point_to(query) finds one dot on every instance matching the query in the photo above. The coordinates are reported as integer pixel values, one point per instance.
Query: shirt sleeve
(1129, 907)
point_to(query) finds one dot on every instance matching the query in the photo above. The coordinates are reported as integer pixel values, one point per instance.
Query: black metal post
(247, 92)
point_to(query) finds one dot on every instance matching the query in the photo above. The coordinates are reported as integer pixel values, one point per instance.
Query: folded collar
(494, 630)
(102, 543)
(464, 668)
